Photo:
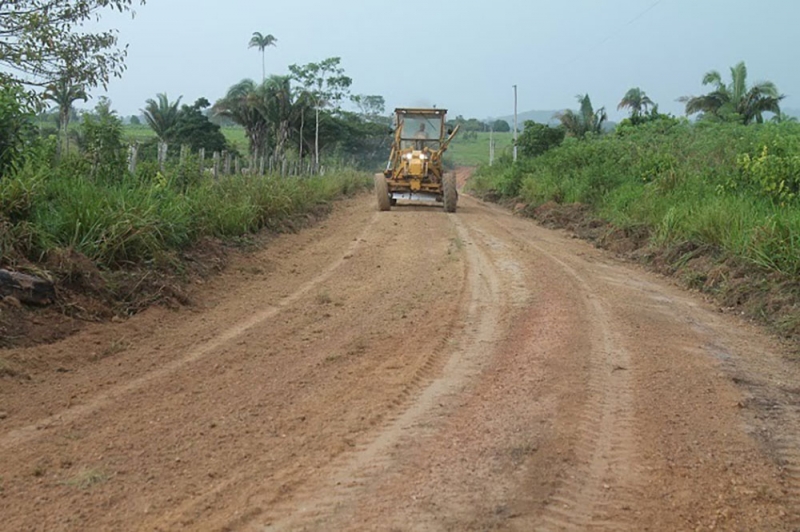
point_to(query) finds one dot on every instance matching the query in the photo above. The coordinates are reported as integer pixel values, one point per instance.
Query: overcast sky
(463, 55)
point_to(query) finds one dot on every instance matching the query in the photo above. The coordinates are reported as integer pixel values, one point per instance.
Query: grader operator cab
(415, 170)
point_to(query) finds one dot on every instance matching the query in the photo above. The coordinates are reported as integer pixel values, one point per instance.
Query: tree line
(734, 101)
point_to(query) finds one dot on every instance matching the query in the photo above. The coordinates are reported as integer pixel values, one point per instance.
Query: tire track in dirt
(772, 405)
(602, 481)
(30, 432)
(315, 506)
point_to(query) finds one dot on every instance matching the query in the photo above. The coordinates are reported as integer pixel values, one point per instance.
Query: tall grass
(136, 219)
(730, 187)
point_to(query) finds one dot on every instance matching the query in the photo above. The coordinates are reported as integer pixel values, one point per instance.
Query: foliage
(136, 220)
(536, 139)
(260, 41)
(101, 139)
(735, 101)
(135, 121)
(371, 107)
(585, 120)
(501, 126)
(241, 104)
(471, 125)
(64, 93)
(16, 115)
(775, 172)
(161, 115)
(637, 102)
(192, 128)
(653, 115)
(324, 84)
(48, 39)
(727, 186)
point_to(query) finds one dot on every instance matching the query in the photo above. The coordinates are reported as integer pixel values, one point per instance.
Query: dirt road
(409, 370)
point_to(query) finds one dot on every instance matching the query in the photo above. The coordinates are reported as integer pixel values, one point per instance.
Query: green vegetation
(85, 198)
(735, 101)
(473, 150)
(727, 187)
(115, 218)
(585, 121)
(262, 42)
(51, 40)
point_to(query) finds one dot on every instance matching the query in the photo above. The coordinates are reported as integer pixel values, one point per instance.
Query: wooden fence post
(202, 156)
(216, 165)
(227, 162)
(162, 154)
(237, 165)
(133, 155)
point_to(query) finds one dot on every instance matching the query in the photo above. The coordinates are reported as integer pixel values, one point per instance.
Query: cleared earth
(409, 370)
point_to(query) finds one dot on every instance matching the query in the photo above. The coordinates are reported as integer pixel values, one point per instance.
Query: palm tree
(64, 93)
(783, 118)
(161, 115)
(279, 110)
(637, 101)
(586, 120)
(262, 42)
(243, 104)
(735, 100)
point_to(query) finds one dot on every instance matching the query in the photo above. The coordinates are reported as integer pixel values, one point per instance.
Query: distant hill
(792, 112)
(541, 117)
(546, 117)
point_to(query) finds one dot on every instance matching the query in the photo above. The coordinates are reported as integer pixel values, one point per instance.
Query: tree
(735, 101)
(371, 107)
(135, 121)
(262, 42)
(586, 120)
(101, 135)
(536, 139)
(326, 85)
(64, 93)
(241, 104)
(193, 128)
(161, 115)
(16, 117)
(42, 40)
(501, 126)
(783, 118)
(637, 102)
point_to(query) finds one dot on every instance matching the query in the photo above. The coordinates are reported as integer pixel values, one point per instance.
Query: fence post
(162, 154)
(133, 155)
(237, 165)
(216, 165)
(202, 156)
(227, 163)
(261, 166)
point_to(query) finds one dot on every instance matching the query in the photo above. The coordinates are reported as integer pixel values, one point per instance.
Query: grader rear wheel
(450, 192)
(382, 192)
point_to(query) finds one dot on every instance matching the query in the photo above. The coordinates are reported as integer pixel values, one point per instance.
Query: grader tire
(382, 192)
(449, 192)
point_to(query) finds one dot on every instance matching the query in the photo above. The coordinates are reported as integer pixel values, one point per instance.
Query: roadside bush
(727, 186)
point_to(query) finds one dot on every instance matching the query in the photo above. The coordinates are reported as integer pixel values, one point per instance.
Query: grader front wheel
(449, 192)
(382, 192)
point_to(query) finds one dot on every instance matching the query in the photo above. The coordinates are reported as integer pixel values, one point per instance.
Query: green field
(475, 151)
(463, 151)
(140, 133)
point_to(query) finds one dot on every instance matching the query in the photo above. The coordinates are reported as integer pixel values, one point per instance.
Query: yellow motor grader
(415, 171)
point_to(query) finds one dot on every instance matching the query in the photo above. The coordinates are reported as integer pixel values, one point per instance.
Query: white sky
(463, 55)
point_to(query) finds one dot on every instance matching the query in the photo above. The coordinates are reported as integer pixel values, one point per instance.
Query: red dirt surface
(409, 370)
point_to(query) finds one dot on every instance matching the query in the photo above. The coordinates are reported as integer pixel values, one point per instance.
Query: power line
(617, 31)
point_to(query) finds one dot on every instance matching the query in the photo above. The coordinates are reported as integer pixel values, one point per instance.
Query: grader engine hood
(415, 164)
